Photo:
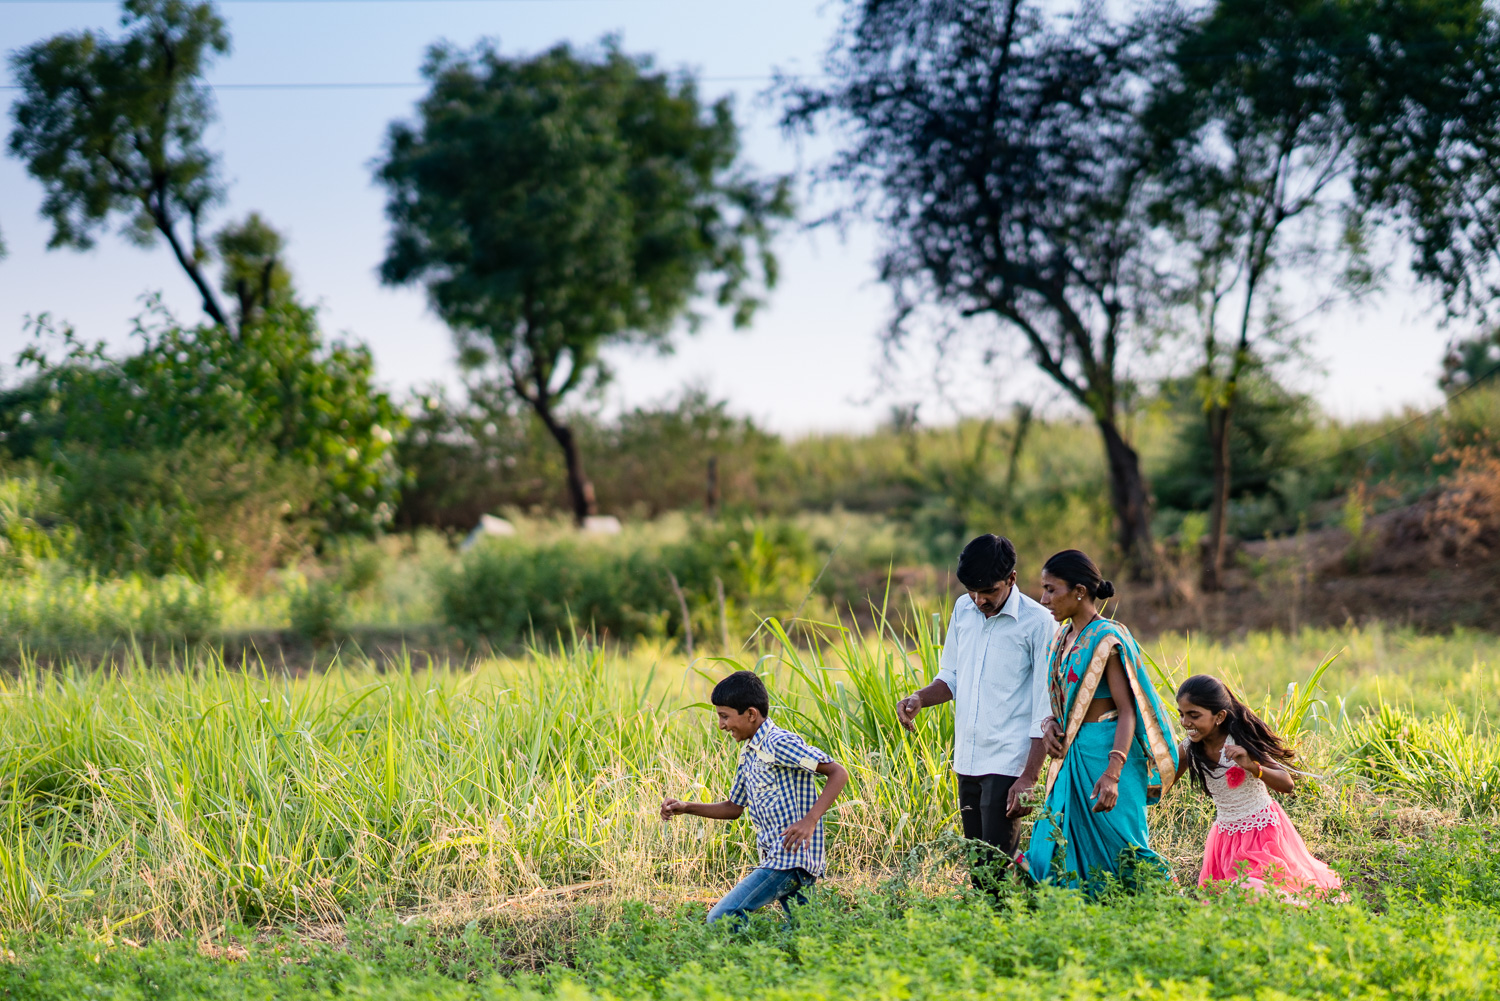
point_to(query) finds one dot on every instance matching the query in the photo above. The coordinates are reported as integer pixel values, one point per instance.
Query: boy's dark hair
(1240, 722)
(985, 562)
(740, 691)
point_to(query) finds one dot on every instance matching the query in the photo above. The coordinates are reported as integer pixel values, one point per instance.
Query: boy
(775, 782)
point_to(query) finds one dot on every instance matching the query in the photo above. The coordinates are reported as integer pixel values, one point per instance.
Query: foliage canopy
(555, 205)
(115, 125)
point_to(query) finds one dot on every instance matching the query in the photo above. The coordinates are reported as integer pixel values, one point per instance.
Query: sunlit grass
(181, 794)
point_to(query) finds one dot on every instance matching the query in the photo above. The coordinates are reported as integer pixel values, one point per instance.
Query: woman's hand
(1106, 793)
(1240, 755)
(1052, 738)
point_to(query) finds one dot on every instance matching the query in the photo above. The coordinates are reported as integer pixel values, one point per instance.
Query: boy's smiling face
(739, 725)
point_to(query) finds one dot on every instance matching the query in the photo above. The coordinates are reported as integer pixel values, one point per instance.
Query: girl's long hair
(1240, 722)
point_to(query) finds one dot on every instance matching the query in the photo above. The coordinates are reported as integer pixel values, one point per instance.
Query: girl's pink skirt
(1272, 858)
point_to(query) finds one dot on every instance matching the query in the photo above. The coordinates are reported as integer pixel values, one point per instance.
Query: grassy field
(507, 812)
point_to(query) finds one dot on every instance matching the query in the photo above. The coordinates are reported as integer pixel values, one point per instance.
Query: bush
(277, 385)
(467, 460)
(60, 608)
(1269, 427)
(507, 589)
(211, 506)
(316, 609)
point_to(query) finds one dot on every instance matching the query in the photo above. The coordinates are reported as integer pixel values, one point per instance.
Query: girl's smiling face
(1198, 722)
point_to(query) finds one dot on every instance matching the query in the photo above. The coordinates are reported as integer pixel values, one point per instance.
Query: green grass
(1421, 672)
(157, 801)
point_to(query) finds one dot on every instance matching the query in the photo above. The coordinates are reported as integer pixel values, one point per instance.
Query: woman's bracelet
(1260, 773)
(1121, 753)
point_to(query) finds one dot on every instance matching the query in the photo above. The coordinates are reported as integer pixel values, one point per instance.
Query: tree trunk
(711, 501)
(1132, 502)
(1219, 423)
(580, 490)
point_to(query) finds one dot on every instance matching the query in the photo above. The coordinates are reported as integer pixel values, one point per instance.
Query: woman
(1109, 736)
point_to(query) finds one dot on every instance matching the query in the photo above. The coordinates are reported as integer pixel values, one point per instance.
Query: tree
(1424, 94)
(1002, 153)
(115, 126)
(555, 205)
(277, 386)
(1471, 361)
(1253, 150)
(254, 272)
(1271, 424)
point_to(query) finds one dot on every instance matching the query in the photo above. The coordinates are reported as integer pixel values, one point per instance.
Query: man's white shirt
(996, 668)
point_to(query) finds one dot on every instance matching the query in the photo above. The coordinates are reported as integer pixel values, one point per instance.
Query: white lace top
(1247, 806)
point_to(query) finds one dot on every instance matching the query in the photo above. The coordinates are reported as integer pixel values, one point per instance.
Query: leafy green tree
(1471, 361)
(1424, 89)
(278, 386)
(1271, 424)
(555, 205)
(254, 272)
(115, 127)
(1001, 151)
(1254, 155)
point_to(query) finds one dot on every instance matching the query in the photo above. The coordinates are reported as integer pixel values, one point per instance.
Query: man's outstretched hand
(672, 807)
(907, 709)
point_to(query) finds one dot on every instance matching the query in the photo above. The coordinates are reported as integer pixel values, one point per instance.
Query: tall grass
(182, 795)
(189, 796)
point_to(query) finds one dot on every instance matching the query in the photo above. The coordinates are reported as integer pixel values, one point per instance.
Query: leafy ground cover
(1433, 932)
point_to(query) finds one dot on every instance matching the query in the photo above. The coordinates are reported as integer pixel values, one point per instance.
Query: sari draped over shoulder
(1071, 845)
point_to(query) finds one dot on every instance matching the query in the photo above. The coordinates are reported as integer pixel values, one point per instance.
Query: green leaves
(115, 126)
(557, 204)
(211, 430)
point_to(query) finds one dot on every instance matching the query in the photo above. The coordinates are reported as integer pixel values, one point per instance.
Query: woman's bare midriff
(1097, 708)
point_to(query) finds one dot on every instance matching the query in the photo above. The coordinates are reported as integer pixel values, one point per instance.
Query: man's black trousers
(981, 808)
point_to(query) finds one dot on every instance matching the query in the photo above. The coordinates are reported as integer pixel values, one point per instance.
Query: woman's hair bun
(1106, 589)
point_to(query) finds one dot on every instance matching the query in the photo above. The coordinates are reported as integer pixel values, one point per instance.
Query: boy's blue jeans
(758, 889)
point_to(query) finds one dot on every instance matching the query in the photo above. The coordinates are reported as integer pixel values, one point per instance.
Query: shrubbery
(62, 609)
(508, 589)
(200, 425)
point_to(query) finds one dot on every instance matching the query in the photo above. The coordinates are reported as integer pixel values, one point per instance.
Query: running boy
(776, 781)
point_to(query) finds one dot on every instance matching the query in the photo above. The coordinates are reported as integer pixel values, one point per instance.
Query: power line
(401, 84)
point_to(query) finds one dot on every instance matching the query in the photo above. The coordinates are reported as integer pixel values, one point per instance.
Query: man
(994, 670)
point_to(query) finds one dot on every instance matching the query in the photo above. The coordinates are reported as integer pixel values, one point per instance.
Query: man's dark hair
(985, 562)
(740, 691)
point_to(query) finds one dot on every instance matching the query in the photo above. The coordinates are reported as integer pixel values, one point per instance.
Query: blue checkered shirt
(777, 781)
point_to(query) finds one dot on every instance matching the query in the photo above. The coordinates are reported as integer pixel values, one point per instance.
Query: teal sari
(1071, 845)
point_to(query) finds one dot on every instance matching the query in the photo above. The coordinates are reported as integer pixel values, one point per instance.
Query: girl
(1235, 758)
(1109, 735)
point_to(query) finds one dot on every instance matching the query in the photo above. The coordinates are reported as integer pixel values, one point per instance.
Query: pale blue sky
(302, 156)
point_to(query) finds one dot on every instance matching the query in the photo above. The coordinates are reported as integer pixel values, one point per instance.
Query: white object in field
(488, 526)
(602, 524)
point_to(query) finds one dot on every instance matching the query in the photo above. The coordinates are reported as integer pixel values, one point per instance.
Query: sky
(811, 361)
